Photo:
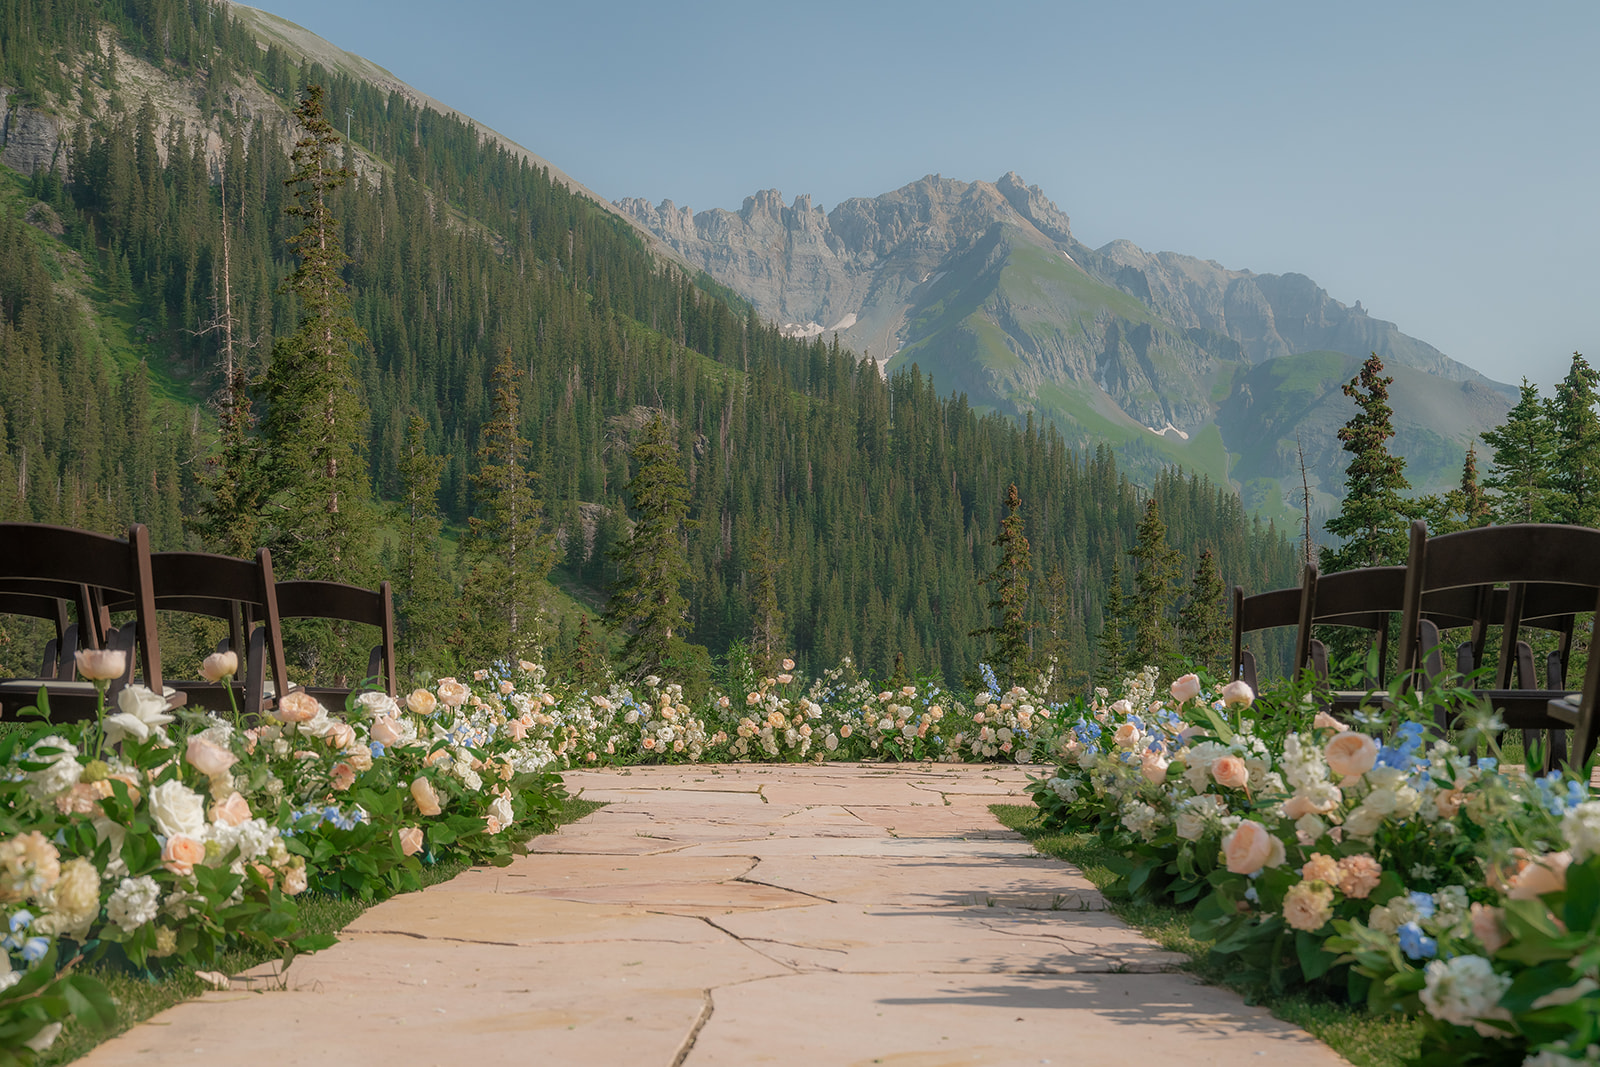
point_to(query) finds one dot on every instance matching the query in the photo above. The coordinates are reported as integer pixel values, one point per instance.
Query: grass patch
(138, 998)
(1364, 1039)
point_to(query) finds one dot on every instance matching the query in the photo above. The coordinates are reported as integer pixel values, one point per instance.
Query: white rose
(143, 713)
(177, 809)
(371, 705)
(501, 809)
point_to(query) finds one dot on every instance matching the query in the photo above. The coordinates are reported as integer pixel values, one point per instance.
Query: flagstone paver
(740, 915)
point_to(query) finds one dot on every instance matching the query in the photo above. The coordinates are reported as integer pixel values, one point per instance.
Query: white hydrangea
(1065, 788)
(1465, 991)
(1581, 827)
(133, 903)
(63, 771)
(1141, 818)
(253, 838)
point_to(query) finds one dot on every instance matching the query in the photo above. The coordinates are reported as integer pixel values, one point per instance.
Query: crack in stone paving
(706, 1010)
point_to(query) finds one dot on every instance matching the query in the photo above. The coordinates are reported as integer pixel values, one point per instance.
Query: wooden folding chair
(1518, 556)
(1266, 611)
(240, 592)
(1577, 710)
(346, 603)
(62, 557)
(41, 601)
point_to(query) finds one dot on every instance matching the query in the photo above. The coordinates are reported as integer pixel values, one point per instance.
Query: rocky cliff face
(983, 285)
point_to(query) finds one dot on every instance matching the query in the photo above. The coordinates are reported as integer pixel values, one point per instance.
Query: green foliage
(647, 602)
(1011, 574)
(1203, 628)
(1575, 426)
(1111, 650)
(507, 552)
(1373, 517)
(1155, 591)
(422, 589)
(1524, 452)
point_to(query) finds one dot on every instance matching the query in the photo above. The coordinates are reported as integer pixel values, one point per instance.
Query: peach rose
(234, 810)
(208, 757)
(517, 729)
(1154, 768)
(421, 702)
(1127, 735)
(452, 692)
(1297, 807)
(1324, 721)
(181, 853)
(1320, 868)
(1351, 754)
(1489, 927)
(1543, 874)
(1358, 876)
(1448, 801)
(341, 735)
(1308, 905)
(298, 706)
(1238, 693)
(1186, 688)
(427, 798)
(410, 840)
(1249, 848)
(220, 665)
(386, 731)
(294, 881)
(100, 664)
(1230, 772)
(343, 776)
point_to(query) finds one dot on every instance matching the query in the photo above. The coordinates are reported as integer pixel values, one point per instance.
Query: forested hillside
(882, 497)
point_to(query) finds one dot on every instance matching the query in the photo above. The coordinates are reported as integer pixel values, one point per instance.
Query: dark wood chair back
(64, 558)
(336, 601)
(57, 660)
(1265, 611)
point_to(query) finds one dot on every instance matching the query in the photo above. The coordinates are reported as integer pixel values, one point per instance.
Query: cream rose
(1238, 694)
(298, 706)
(422, 702)
(1308, 905)
(386, 731)
(181, 853)
(220, 665)
(208, 757)
(1230, 772)
(1350, 754)
(1250, 848)
(100, 664)
(410, 840)
(340, 735)
(1127, 735)
(1543, 874)
(1186, 688)
(426, 796)
(452, 693)
(233, 810)
(294, 881)
(1154, 768)
(177, 809)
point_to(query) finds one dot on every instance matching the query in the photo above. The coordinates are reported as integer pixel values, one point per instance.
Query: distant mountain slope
(983, 285)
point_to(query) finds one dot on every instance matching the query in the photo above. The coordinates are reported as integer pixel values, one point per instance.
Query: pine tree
(647, 602)
(1010, 604)
(1471, 500)
(1524, 453)
(507, 553)
(321, 523)
(585, 664)
(1202, 623)
(1373, 518)
(422, 590)
(766, 620)
(1154, 587)
(1111, 648)
(1575, 476)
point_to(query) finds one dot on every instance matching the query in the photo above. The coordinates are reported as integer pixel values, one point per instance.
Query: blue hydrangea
(1416, 944)
(1423, 902)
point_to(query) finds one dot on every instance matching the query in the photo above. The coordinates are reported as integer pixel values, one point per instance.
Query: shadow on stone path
(741, 915)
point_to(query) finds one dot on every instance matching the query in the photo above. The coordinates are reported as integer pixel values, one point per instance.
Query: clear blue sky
(1437, 161)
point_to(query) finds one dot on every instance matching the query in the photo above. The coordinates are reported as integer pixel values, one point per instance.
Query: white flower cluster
(133, 903)
(1466, 991)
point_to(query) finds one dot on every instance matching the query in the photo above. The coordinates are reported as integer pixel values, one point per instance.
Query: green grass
(138, 998)
(1364, 1039)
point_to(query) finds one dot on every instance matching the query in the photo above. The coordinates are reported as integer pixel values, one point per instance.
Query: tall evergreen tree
(1575, 475)
(1154, 589)
(766, 619)
(1202, 623)
(1373, 518)
(507, 553)
(422, 589)
(647, 602)
(1111, 647)
(1473, 502)
(320, 520)
(1524, 452)
(1011, 577)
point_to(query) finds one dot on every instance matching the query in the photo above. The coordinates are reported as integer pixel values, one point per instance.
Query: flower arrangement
(1384, 862)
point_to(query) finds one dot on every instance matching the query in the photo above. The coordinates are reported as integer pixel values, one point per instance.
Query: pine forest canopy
(869, 505)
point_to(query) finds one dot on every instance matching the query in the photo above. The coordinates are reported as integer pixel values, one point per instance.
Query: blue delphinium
(1416, 944)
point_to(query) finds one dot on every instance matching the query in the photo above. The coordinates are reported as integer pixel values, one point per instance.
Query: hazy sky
(1437, 161)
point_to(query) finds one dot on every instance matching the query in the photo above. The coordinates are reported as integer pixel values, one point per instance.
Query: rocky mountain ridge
(983, 285)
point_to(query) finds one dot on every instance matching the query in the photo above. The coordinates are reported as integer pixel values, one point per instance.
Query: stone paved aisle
(743, 915)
